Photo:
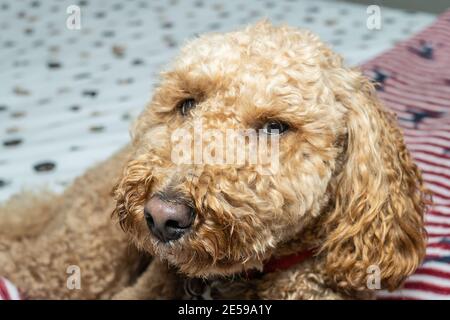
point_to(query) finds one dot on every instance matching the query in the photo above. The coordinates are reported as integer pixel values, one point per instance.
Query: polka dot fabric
(67, 97)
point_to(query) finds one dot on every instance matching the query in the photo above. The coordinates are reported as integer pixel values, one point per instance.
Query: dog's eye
(186, 105)
(274, 127)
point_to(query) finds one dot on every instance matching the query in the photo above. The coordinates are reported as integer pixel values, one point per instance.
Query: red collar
(285, 262)
(272, 265)
(281, 263)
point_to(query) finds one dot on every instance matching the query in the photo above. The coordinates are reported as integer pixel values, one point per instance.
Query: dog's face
(288, 90)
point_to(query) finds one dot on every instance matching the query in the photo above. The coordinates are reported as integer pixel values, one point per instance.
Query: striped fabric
(8, 291)
(414, 81)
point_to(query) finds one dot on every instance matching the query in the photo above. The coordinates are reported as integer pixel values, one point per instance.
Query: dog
(339, 215)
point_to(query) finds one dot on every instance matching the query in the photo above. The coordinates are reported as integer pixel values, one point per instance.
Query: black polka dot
(125, 81)
(44, 101)
(143, 4)
(20, 91)
(54, 32)
(279, 16)
(98, 128)
(8, 44)
(389, 20)
(339, 31)
(118, 51)
(224, 14)
(28, 31)
(75, 108)
(198, 3)
(330, 22)
(53, 49)
(100, 14)
(167, 25)
(313, 9)
(38, 43)
(255, 13)
(18, 114)
(12, 142)
(3, 183)
(170, 41)
(137, 62)
(214, 26)
(61, 90)
(72, 40)
(96, 113)
(44, 166)
(3, 108)
(12, 130)
(336, 42)
(54, 65)
(108, 33)
(82, 75)
(90, 93)
(117, 6)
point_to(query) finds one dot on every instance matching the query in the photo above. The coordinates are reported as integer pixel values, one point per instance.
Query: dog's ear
(376, 221)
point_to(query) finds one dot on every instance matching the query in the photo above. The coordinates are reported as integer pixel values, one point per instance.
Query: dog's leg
(26, 214)
(157, 282)
(22, 218)
(74, 250)
(303, 282)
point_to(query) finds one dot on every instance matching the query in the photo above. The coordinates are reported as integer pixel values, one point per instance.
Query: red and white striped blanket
(414, 81)
(8, 291)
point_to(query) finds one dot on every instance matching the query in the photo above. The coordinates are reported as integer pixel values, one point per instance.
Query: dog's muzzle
(168, 220)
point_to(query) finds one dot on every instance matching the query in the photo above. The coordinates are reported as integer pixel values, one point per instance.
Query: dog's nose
(168, 220)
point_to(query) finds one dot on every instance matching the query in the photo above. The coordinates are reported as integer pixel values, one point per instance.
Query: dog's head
(341, 169)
